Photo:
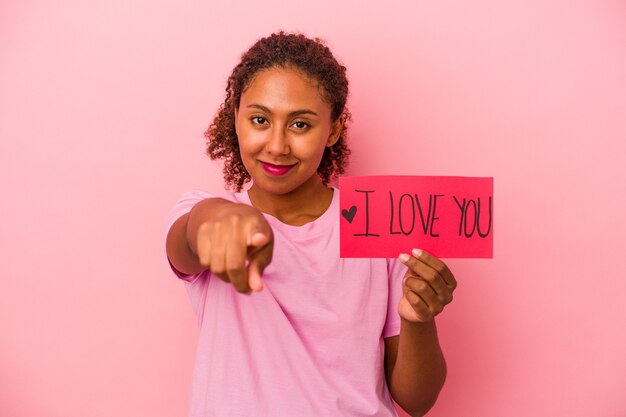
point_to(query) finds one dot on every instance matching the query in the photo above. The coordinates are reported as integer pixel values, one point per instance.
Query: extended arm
(221, 235)
(181, 243)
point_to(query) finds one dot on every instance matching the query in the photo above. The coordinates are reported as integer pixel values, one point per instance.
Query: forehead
(284, 89)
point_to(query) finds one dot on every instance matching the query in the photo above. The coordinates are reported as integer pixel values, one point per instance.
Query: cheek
(249, 142)
(311, 145)
(319, 148)
(312, 152)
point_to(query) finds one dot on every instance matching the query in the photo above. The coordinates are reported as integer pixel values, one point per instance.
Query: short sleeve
(395, 273)
(183, 206)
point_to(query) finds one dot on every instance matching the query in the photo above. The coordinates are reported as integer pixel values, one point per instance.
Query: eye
(258, 120)
(301, 125)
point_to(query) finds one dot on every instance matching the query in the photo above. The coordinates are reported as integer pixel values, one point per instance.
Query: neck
(297, 207)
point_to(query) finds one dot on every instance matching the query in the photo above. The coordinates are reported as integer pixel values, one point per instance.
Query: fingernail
(417, 253)
(403, 257)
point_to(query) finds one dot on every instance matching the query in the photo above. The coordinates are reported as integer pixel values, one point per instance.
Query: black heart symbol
(349, 214)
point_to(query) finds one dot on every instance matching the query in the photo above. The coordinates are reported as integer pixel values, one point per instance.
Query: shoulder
(195, 195)
(190, 198)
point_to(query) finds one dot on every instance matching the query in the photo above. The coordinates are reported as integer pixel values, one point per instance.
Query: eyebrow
(293, 113)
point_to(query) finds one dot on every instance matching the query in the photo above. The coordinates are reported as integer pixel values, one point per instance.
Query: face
(283, 127)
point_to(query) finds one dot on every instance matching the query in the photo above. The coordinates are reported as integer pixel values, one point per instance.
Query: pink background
(102, 109)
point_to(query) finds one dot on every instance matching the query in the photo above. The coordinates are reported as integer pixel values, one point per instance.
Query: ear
(335, 131)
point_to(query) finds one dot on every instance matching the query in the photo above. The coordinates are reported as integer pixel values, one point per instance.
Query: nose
(278, 142)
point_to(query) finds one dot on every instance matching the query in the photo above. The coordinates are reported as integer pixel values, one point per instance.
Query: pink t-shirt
(311, 343)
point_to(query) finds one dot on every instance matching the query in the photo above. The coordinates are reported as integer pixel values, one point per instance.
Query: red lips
(276, 169)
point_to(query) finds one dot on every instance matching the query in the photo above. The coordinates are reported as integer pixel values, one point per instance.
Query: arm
(221, 235)
(182, 235)
(415, 367)
(414, 364)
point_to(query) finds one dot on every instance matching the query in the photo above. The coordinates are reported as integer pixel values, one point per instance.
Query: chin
(280, 186)
(277, 189)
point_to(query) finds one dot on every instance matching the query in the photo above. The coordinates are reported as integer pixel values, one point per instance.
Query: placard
(384, 216)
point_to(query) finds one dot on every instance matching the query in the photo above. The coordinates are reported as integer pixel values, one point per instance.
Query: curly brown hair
(281, 49)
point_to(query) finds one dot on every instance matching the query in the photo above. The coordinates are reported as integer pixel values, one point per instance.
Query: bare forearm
(420, 370)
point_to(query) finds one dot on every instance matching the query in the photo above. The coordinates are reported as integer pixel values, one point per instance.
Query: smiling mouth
(276, 169)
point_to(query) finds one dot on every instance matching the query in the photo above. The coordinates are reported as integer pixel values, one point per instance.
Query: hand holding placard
(383, 216)
(427, 286)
